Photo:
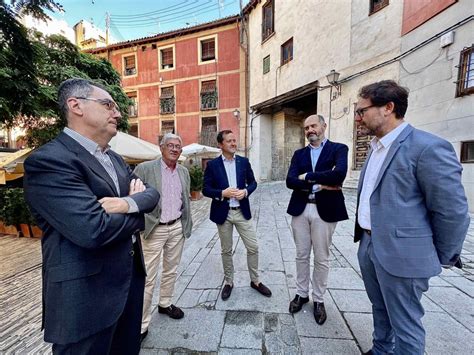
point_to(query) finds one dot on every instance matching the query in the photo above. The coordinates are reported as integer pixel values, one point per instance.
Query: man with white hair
(166, 226)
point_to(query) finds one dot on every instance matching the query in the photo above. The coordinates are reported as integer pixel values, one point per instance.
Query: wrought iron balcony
(167, 105)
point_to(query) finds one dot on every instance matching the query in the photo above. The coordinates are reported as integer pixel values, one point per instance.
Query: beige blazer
(150, 173)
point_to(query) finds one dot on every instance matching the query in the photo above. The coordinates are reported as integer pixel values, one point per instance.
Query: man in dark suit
(229, 181)
(90, 207)
(411, 218)
(315, 175)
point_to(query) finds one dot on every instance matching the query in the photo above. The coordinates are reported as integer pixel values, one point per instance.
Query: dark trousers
(123, 337)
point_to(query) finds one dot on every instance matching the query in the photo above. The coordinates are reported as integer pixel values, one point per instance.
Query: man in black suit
(315, 175)
(90, 207)
(229, 181)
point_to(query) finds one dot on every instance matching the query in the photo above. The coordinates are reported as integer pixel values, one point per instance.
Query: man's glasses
(173, 146)
(361, 111)
(109, 104)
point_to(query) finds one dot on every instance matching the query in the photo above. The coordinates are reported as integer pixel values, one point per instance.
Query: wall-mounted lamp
(332, 79)
(236, 113)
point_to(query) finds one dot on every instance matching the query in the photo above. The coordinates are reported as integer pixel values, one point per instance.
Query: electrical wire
(170, 15)
(154, 22)
(161, 11)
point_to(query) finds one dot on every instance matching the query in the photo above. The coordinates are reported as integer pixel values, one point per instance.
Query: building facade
(292, 49)
(189, 81)
(440, 75)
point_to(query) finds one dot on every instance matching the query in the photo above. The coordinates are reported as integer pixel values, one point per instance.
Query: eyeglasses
(361, 111)
(109, 104)
(175, 146)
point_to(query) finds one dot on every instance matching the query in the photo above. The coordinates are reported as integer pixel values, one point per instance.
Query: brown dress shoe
(264, 290)
(297, 303)
(319, 313)
(172, 311)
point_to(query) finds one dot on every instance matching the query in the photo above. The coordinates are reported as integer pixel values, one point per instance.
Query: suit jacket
(331, 169)
(215, 180)
(87, 259)
(418, 209)
(150, 172)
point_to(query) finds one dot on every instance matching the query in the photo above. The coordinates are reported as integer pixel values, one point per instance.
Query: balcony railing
(209, 100)
(130, 71)
(167, 105)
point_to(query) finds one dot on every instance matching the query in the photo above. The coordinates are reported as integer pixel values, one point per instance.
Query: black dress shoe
(143, 336)
(319, 313)
(172, 311)
(226, 291)
(297, 303)
(264, 290)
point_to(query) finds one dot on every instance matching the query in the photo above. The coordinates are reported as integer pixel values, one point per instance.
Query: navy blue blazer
(87, 259)
(215, 181)
(331, 169)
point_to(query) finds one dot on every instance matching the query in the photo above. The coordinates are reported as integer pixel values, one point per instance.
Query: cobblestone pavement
(248, 323)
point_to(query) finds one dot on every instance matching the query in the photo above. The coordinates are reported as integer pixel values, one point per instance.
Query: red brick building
(190, 81)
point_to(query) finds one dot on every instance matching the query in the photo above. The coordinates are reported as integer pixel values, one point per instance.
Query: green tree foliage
(32, 67)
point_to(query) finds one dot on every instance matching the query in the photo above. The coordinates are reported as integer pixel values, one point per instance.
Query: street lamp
(332, 79)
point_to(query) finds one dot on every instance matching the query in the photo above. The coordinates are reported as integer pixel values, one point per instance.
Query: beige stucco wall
(430, 74)
(336, 34)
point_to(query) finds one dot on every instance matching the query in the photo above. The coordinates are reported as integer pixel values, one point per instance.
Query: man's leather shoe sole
(297, 303)
(226, 291)
(172, 311)
(264, 290)
(319, 313)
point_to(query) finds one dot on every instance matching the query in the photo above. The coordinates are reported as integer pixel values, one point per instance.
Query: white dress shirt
(380, 148)
(230, 169)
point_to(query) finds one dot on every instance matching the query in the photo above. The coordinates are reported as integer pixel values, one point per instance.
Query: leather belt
(311, 200)
(169, 223)
(368, 231)
(235, 208)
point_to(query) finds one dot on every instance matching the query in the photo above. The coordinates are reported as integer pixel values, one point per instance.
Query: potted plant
(197, 178)
(14, 212)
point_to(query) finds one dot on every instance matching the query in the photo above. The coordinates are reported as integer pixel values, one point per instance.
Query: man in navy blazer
(411, 218)
(229, 181)
(316, 174)
(90, 207)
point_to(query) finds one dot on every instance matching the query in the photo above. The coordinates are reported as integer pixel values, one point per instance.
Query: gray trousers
(310, 232)
(396, 305)
(247, 233)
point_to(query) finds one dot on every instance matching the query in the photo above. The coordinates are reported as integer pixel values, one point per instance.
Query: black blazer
(215, 180)
(87, 261)
(331, 169)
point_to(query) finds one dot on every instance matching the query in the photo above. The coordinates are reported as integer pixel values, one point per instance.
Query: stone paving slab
(456, 303)
(199, 330)
(313, 346)
(445, 335)
(334, 327)
(345, 279)
(361, 325)
(243, 330)
(351, 301)
(246, 298)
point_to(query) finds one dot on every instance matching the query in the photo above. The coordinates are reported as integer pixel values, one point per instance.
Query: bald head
(314, 128)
